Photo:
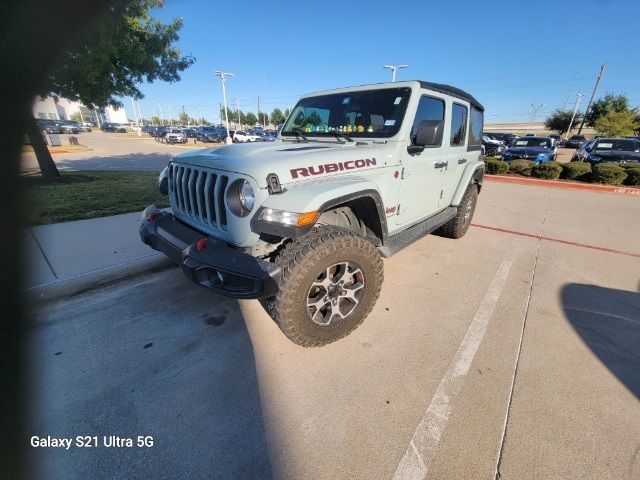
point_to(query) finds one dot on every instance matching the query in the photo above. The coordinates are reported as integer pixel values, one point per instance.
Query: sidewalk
(66, 258)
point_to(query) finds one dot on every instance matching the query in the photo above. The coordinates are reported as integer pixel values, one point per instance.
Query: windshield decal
(332, 167)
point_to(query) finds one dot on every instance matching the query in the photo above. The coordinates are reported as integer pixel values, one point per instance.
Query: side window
(476, 124)
(458, 125)
(429, 108)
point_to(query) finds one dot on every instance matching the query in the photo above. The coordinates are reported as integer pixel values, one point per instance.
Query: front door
(423, 173)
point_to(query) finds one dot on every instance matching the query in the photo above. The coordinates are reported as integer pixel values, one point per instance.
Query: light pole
(222, 76)
(394, 69)
(575, 109)
(160, 113)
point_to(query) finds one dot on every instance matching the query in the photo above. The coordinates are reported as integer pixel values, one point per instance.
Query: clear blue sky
(507, 55)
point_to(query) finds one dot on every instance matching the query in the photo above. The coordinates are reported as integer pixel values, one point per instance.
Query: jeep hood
(291, 161)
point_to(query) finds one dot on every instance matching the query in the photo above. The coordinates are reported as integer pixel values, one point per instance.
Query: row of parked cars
(540, 149)
(62, 126)
(208, 134)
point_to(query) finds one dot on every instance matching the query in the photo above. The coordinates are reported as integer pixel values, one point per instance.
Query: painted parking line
(424, 442)
(557, 240)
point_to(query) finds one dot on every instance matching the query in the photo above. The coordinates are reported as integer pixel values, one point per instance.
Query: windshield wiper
(298, 134)
(341, 135)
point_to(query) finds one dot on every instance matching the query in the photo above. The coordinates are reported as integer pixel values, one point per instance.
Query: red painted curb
(557, 240)
(567, 185)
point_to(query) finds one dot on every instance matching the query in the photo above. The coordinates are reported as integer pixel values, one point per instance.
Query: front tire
(331, 279)
(458, 225)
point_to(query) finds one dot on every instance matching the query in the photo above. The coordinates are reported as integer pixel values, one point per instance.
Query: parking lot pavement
(469, 336)
(110, 151)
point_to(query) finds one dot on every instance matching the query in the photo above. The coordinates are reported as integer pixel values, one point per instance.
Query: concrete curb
(77, 284)
(631, 191)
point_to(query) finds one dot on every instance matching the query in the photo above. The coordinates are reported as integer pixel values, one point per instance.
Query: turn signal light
(308, 218)
(152, 216)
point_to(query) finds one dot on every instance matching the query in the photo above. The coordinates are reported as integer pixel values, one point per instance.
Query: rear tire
(458, 225)
(331, 279)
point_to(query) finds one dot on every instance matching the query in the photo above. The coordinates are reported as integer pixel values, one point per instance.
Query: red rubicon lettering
(299, 171)
(332, 167)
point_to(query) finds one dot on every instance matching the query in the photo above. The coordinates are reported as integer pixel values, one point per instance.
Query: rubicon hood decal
(332, 167)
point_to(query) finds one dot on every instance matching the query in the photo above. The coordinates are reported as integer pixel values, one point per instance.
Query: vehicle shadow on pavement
(161, 358)
(130, 161)
(608, 320)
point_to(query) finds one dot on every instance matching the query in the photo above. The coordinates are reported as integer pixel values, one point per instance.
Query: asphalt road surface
(512, 352)
(113, 151)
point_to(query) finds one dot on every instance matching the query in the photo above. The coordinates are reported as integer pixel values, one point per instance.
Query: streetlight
(222, 76)
(393, 69)
(575, 110)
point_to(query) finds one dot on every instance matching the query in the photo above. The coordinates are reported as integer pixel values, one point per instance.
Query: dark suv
(575, 141)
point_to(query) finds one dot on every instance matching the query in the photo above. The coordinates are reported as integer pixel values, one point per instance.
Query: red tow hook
(201, 244)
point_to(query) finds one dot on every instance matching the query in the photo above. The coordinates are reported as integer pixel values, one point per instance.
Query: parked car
(157, 132)
(620, 150)
(69, 126)
(557, 139)
(492, 148)
(243, 137)
(175, 135)
(190, 131)
(505, 138)
(536, 149)
(312, 249)
(113, 127)
(213, 134)
(48, 126)
(575, 141)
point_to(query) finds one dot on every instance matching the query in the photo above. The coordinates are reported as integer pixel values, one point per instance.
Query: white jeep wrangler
(356, 174)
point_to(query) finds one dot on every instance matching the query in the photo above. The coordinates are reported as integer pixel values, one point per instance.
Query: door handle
(441, 164)
(461, 161)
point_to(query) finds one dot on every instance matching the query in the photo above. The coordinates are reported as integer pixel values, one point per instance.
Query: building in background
(57, 108)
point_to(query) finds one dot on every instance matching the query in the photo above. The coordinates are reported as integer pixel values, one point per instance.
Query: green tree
(76, 116)
(599, 108)
(617, 124)
(109, 58)
(155, 120)
(277, 117)
(203, 121)
(559, 120)
(287, 112)
(263, 117)
(250, 119)
(183, 118)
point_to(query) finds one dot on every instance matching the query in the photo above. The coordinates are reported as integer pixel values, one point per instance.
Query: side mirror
(429, 135)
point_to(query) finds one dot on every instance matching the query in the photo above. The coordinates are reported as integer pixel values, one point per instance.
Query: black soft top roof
(453, 91)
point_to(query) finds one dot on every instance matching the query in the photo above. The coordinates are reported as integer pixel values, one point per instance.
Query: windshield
(368, 113)
(532, 142)
(619, 145)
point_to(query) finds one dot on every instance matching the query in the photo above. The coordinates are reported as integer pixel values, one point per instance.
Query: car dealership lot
(116, 151)
(496, 349)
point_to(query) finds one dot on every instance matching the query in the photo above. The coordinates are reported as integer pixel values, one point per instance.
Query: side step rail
(397, 242)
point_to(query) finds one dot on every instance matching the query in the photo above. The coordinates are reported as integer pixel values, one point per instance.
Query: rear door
(457, 155)
(423, 173)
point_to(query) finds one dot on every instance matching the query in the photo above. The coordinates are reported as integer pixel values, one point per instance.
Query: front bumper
(216, 267)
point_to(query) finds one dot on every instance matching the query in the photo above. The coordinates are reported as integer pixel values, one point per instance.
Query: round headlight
(246, 195)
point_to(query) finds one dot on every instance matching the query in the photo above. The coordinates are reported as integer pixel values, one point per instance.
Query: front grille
(198, 194)
(522, 155)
